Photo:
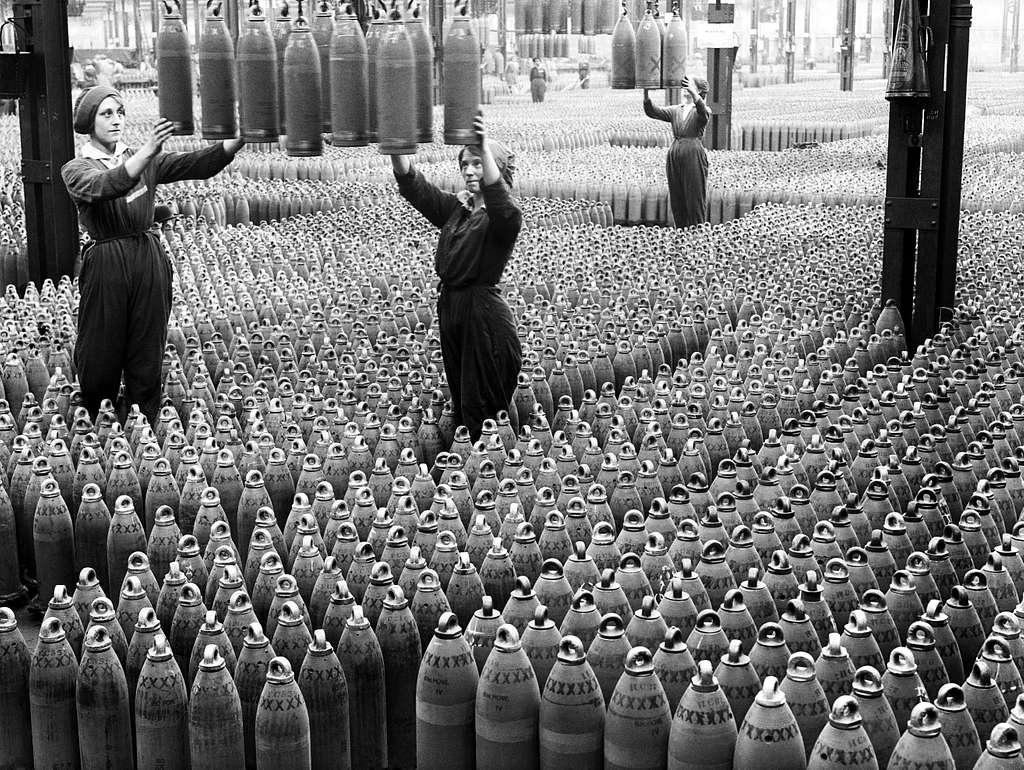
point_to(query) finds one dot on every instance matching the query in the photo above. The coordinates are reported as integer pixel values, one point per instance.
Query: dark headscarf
(503, 157)
(88, 103)
(701, 85)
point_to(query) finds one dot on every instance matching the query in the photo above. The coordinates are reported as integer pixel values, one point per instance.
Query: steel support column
(51, 221)
(847, 39)
(868, 44)
(923, 182)
(888, 19)
(808, 44)
(789, 41)
(755, 31)
(718, 136)
(1015, 37)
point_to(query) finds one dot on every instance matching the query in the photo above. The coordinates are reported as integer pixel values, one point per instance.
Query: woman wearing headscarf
(687, 164)
(125, 279)
(479, 227)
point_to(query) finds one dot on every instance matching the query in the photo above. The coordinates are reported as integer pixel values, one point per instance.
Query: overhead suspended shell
(373, 34)
(534, 17)
(588, 16)
(423, 56)
(302, 93)
(520, 15)
(607, 16)
(623, 54)
(281, 31)
(673, 53)
(323, 31)
(217, 80)
(349, 98)
(576, 16)
(174, 74)
(396, 89)
(648, 53)
(258, 88)
(559, 11)
(461, 82)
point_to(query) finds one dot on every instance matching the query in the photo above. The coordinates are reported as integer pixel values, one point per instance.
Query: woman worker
(687, 164)
(125, 280)
(538, 81)
(479, 226)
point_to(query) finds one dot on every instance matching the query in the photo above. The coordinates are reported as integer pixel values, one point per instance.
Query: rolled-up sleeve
(200, 164)
(435, 204)
(88, 184)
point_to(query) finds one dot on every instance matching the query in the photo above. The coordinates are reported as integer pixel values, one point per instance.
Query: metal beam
(51, 221)
(718, 135)
(923, 178)
(808, 45)
(888, 19)
(755, 32)
(789, 41)
(867, 30)
(847, 39)
(960, 13)
(1015, 39)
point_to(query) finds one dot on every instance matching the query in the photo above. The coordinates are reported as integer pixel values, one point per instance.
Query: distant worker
(538, 81)
(512, 74)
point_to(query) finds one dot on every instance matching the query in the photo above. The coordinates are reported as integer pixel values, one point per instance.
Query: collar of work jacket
(90, 150)
(466, 199)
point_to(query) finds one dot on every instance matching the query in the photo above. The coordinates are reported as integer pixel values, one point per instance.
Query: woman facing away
(687, 163)
(479, 226)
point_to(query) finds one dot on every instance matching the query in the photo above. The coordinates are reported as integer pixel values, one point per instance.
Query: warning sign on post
(718, 36)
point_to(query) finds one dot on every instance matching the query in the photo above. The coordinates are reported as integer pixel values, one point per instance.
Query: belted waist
(122, 237)
(443, 287)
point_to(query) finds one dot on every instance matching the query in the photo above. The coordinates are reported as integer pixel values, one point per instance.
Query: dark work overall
(481, 350)
(687, 163)
(125, 280)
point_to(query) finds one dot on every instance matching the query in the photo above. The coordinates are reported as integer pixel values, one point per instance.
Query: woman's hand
(490, 166)
(232, 146)
(401, 164)
(158, 134)
(688, 84)
(478, 129)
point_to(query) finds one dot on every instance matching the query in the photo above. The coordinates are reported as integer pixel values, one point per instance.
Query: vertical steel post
(437, 34)
(154, 21)
(51, 221)
(808, 45)
(847, 39)
(1004, 32)
(960, 13)
(755, 14)
(125, 41)
(888, 19)
(1015, 39)
(720, 66)
(867, 31)
(137, 22)
(790, 41)
(924, 173)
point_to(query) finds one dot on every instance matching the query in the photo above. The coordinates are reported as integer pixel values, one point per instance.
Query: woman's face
(109, 121)
(472, 170)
